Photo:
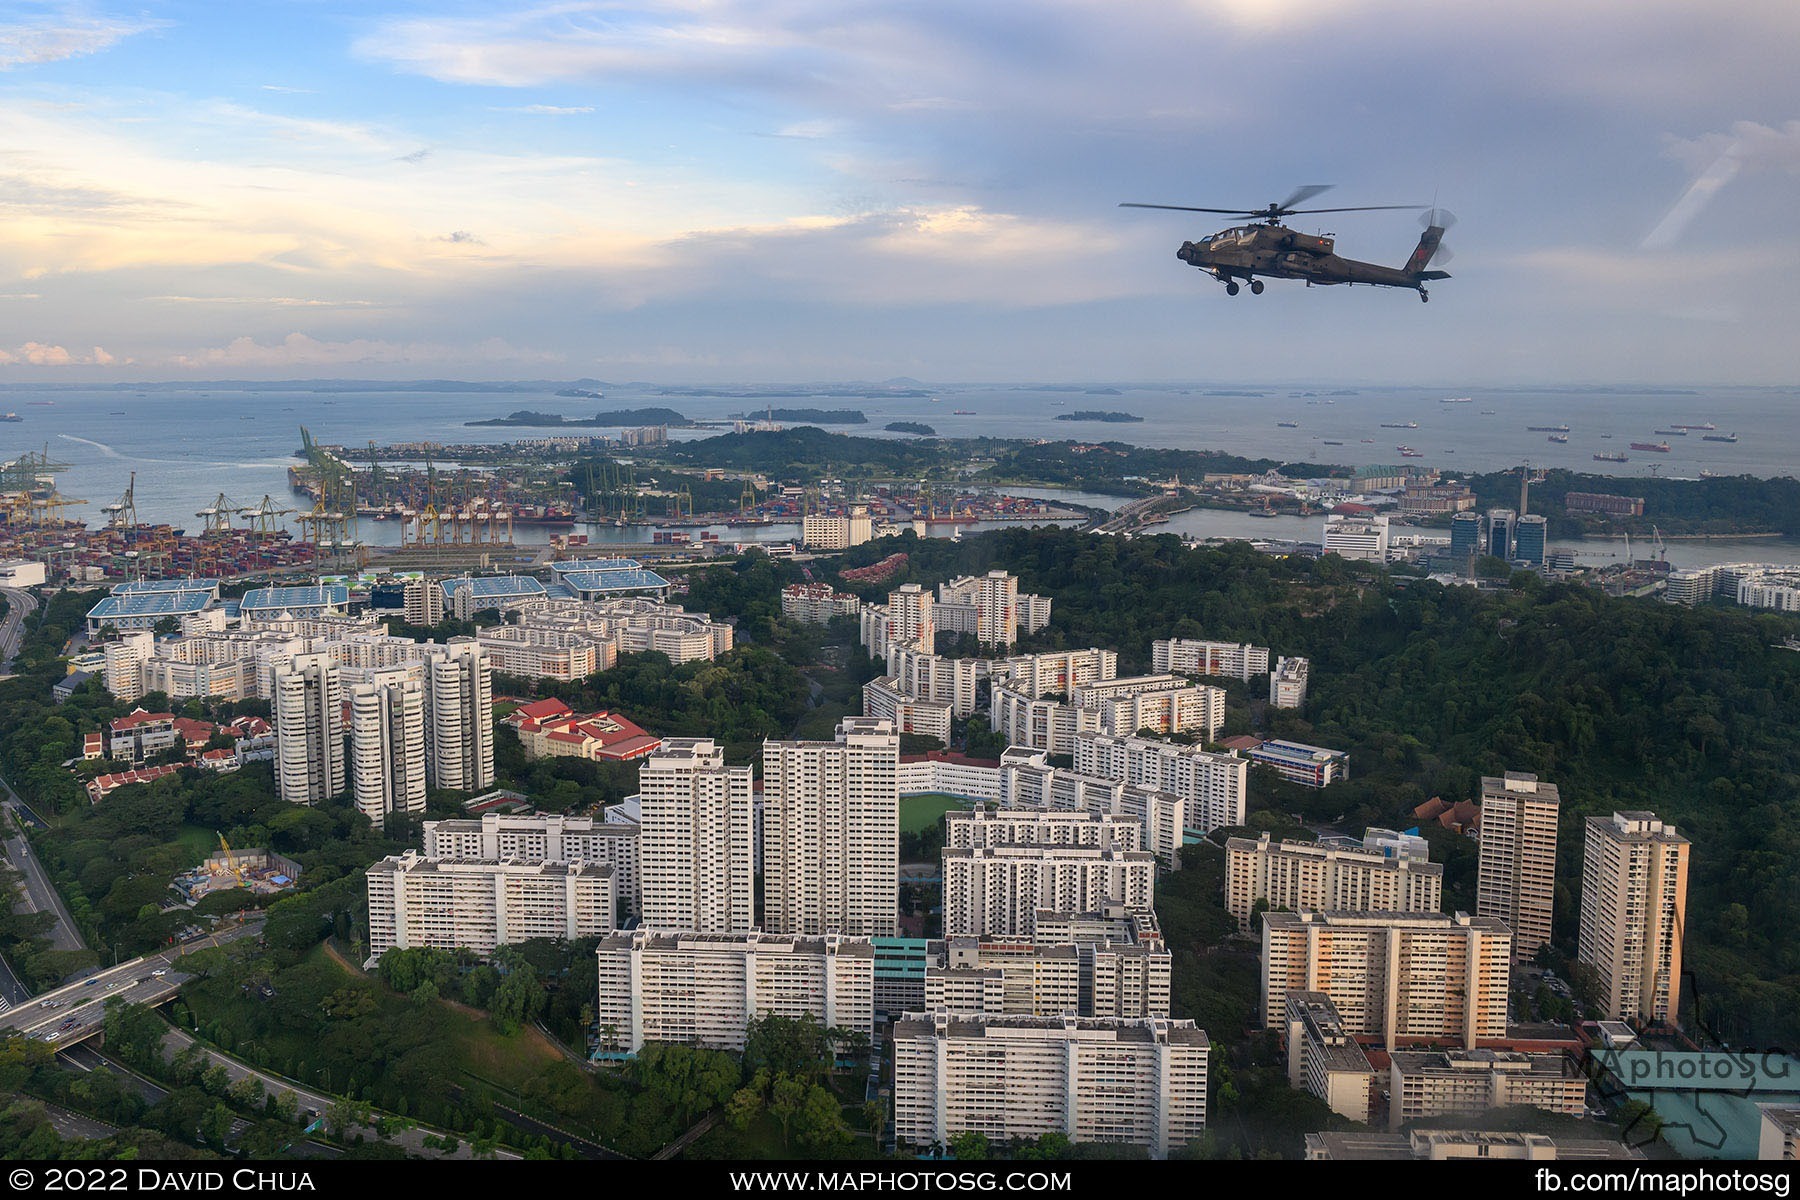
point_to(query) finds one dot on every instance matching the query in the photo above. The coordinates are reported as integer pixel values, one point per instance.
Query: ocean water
(187, 447)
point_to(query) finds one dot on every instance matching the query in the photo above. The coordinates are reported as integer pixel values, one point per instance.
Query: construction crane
(43, 506)
(231, 861)
(332, 521)
(265, 517)
(1662, 549)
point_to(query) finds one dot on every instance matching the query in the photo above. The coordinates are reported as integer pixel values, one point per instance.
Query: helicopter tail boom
(1422, 253)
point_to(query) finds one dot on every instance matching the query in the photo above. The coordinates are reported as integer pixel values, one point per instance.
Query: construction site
(260, 872)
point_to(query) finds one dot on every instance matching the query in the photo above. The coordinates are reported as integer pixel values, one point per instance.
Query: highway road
(19, 605)
(39, 895)
(74, 1012)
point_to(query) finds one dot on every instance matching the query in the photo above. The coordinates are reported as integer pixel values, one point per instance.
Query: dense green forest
(1723, 506)
(1625, 704)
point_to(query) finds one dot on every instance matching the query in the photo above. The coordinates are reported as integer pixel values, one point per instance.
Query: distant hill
(1086, 414)
(531, 419)
(917, 427)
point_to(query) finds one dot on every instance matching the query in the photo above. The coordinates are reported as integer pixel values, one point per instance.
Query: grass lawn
(919, 813)
(201, 843)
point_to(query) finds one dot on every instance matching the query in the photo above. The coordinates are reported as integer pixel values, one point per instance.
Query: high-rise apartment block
(697, 846)
(703, 989)
(1435, 1083)
(307, 707)
(459, 688)
(1105, 964)
(831, 833)
(1001, 869)
(1211, 786)
(1185, 656)
(1306, 875)
(1026, 780)
(1516, 882)
(1634, 872)
(387, 743)
(1324, 1059)
(478, 905)
(541, 838)
(816, 603)
(1136, 1082)
(1404, 976)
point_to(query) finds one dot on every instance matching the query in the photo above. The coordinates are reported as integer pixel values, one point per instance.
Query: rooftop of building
(1351, 920)
(1144, 1031)
(415, 862)
(737, 943)
(1299, 750)
(171, 603)
(1368, 1145)
(1542, 1066)
(280, 599)
(1353, 852)
(494, 587)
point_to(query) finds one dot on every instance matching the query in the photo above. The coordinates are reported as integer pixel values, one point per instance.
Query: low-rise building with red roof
(551, 729)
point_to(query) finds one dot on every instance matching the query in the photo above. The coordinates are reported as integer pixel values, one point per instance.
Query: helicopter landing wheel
(1231, 288)
(1256, 287)
(1424, 296)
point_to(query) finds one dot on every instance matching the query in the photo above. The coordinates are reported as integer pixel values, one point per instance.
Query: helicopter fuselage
(1277, 252)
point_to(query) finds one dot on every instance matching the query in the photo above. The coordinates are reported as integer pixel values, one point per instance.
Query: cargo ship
(1546, 429)
(1559, 437)
(1655, 447)
(12, 416)
(1458, 400)
(1329, 442)
(1399, 424)
(1719, 437)
(1678, 431)
(1408, 452)
(962, 412)
(1610, 456)
(1708, 425)
(1287, 424)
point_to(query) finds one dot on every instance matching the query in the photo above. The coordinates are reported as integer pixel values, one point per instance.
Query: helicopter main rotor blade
(1230, 212)
(1359, 208)
(1302, 194)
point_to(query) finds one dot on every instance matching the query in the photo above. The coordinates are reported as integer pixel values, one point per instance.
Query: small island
(1115, 418)
(579, 394)
(910, 427)
(622, 417)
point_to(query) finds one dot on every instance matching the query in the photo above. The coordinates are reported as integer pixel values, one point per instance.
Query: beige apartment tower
(1516, 882)
(831, 833)
(1634, 874)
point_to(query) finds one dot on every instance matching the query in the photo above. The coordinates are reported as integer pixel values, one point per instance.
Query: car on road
(160, 971)
(53, 1035)
(89, 982)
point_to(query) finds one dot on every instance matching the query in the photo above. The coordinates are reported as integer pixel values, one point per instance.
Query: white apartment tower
(909, 618)
(697, 845)
(387, 744)
(460, 735)
(1634, 914)
(1306, 875)
(1185, 656)
(1212, 786)
(1516, 882)
(424, 601)
(997, 609)
(1287, 683)
(307, 704)
(831, 832)
(1139, 1082)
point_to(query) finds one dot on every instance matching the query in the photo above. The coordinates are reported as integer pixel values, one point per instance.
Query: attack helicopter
(1270, 249)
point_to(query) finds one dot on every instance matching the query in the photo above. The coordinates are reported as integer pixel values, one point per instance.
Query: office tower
(1500, 532)
(697, 847)
(387, 743)
(459, 689)
(1465, 539)
(1405, 976)
(1634, 914)
(703, 989)
(1364, 538)
(1307, 875)
(1531, 540)
(308, 709)
(1139, 1082)
(831, 832)
(1516, 879)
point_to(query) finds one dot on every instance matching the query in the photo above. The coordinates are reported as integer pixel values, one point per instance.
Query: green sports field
(918, 813)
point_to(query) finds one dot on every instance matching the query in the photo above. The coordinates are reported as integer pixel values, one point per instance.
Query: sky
(801, 190)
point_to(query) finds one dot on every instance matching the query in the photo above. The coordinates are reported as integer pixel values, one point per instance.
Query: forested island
(1088, 414)
(528, 418)
(1723, 506)
(917, 427)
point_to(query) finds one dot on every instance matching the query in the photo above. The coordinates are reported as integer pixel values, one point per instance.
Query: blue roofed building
(593, 578)
(1308, 766)
(262, 604)
(141, 604)
(468, 595)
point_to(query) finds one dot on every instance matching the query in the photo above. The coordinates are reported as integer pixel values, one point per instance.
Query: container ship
(1654, 447)
(1546, 429)
(1610, 456)
(1719, 437)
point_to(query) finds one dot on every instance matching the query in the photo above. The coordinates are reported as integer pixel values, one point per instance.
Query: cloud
(297, 349)
(53, 39)
(417, 156)
(38, 354)
(288, 91)
(1720, 158)
(276, 301)
(462, 237)
(549, 110)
